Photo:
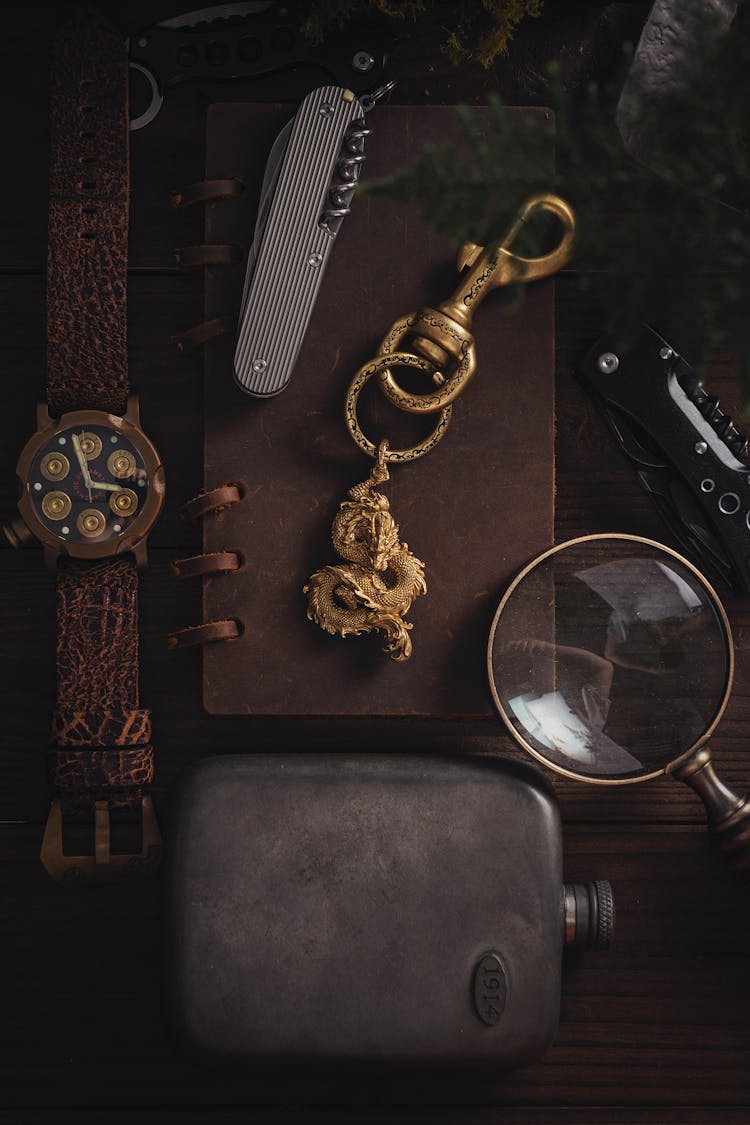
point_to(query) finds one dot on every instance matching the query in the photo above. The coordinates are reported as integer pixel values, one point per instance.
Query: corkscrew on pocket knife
(310, 177)
(688, 454)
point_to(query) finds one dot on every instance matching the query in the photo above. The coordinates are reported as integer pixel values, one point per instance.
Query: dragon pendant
(380, 578)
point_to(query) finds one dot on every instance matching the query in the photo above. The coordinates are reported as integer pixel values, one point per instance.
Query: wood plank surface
(654, 1031)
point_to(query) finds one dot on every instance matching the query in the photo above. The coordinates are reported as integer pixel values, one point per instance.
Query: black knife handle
(224, 50)
(688, 454)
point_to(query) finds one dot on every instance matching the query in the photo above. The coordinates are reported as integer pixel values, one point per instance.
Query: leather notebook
(473, 510)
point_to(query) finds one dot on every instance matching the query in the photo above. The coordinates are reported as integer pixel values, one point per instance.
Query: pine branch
(658, 245)
(479, 31)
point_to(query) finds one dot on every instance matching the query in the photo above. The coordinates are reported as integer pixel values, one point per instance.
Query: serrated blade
(289, 259)
(220, 12)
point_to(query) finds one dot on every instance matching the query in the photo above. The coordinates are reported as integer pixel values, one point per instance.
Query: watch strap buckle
(103, 865)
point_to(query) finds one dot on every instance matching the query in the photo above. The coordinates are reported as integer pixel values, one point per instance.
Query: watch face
(88, 483)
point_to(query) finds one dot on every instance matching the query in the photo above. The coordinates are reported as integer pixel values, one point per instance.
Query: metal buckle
(103, 865)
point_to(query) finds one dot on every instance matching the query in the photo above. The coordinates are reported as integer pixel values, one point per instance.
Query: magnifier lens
(609, 658)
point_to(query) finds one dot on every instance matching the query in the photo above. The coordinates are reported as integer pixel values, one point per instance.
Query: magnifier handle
(728, 812)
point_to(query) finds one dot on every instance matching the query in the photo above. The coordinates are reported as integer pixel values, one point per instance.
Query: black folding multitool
(688, 454)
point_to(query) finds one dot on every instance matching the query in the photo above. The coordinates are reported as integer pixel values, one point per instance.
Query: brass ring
(366, 372)
(449, 390)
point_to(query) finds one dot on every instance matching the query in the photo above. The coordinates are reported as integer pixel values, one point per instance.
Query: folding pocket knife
(310, 178)
(254, 39)
(688, 454)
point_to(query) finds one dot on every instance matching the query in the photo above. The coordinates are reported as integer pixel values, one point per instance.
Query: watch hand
(83, 463)
(81, 456)
(108, 487)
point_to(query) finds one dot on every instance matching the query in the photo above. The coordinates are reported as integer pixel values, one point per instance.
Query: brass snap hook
(532, 269)
(443, 333)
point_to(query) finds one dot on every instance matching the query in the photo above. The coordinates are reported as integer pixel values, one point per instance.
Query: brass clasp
(103, 865)
(443, 334)
(487, 269)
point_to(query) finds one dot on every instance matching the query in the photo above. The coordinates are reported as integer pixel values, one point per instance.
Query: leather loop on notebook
(215, 500)
(202, 333)
(201, 566)
(208, 254)
(204, 191)
(227, 630)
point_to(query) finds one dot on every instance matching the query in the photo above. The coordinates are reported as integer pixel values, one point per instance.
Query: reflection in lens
(609, 658)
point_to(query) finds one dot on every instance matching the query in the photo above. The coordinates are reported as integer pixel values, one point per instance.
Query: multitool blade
(220, 12)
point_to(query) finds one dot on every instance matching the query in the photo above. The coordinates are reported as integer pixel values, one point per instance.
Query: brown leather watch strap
(101, 756)
(101, 734)
(88, 218)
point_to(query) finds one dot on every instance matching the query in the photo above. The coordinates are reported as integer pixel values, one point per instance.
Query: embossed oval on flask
(490, 989)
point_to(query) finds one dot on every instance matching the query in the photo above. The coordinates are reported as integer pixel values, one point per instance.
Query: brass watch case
(134, 539)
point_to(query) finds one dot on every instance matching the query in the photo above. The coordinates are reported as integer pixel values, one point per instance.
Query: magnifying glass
(611, 661)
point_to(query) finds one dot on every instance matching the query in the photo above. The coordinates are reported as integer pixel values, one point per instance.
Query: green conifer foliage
(480, 29)
(668, 241)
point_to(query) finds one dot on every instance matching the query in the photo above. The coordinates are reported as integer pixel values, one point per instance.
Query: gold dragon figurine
(354, 597)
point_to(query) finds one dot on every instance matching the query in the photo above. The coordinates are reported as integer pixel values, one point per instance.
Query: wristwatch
(92, 483)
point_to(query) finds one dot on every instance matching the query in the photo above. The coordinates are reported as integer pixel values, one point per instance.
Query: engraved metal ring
(450, 388)
(366, 372)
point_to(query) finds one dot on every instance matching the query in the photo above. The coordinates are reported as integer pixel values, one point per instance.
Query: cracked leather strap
(101, 733)
(87, 365)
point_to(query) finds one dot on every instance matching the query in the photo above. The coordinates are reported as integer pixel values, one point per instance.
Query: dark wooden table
(653, 1031)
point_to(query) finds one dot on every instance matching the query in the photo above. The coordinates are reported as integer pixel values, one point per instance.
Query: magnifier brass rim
(717, 606)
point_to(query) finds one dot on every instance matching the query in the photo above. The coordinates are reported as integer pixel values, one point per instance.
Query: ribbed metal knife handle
(296, 242)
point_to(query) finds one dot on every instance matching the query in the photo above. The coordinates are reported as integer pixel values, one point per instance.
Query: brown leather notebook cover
(474, 509)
